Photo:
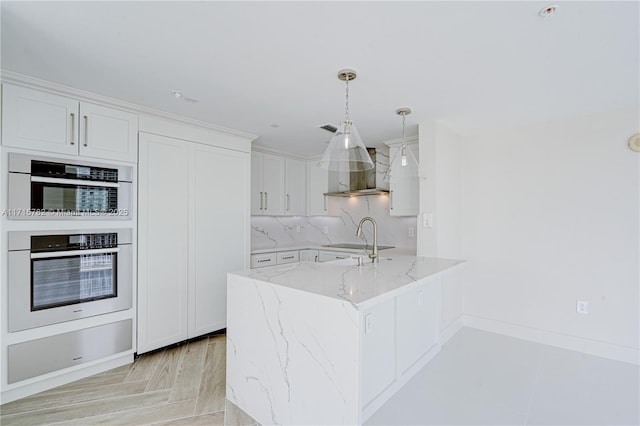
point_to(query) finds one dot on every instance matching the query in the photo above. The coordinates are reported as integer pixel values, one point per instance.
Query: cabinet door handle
(288, 203)
(86, 130)
(316, 258)
(261, 200)
(325, 203)
(73, 128)
(391, 200)
(266, 200)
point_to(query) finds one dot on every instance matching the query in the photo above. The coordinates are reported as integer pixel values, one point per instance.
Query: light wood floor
(182, 385)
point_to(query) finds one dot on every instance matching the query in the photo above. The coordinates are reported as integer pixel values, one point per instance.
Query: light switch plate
(427, 220)
(368, 323)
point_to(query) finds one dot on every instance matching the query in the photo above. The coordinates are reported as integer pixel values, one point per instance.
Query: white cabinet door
(273, 184)
(295, 187)
(403, 185)
(219, 232)
(309, 255)
(417, 323)
(378, 349)
(317, 186)
(257, 192)
(267, 184)
(163, 227)
(37, 120)
(108, 133)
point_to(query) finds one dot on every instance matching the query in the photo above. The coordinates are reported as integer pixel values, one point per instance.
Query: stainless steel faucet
(373, 255)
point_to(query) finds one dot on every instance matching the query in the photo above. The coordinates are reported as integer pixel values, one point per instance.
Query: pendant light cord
(346, 109)
(404, 118)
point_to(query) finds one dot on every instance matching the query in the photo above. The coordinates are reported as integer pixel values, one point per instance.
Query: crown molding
(267, 150)
(394, 142)
(83, 95)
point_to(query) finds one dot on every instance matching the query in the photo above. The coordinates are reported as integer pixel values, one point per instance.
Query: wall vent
(328, 127)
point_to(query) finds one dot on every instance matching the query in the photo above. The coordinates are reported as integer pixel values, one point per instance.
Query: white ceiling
(477, 66)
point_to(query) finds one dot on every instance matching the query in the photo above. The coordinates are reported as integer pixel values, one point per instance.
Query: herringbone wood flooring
(181, 385)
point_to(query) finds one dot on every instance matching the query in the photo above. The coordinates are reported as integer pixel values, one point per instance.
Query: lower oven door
(52, 287)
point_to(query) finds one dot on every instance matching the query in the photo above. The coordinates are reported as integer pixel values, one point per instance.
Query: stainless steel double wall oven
(56, 274)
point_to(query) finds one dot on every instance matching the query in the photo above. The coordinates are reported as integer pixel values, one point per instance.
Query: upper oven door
(40, 188)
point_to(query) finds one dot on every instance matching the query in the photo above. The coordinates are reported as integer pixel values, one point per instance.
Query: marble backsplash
(340, 227)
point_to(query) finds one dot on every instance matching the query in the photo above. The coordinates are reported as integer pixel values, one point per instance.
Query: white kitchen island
(329, 343)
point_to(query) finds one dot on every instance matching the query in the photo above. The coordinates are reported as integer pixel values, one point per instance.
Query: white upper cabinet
(317, 186)
(38, 120)
(108, 133)
(403, 185)
(295, 187)
(42, 121)
(267, 184)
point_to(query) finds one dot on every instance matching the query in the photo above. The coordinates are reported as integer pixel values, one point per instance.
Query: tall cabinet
(194, 208)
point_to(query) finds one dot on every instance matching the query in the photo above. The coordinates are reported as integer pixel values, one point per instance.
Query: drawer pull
(264, 260)
(287, 257)
(77, 310)
(86, 131)
(77, 358)
(340, 257)
(73, 126)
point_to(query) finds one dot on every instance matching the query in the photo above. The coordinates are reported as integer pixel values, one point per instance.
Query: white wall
(551, 215)
(440, 192)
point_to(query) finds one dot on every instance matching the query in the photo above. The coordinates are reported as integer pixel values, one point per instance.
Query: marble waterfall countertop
(343, 279)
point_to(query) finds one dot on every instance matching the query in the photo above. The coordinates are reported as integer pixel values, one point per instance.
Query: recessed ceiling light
(179, 95)
(548, 11)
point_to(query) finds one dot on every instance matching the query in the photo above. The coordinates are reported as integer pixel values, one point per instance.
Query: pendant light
(346, 151)
(404, 163)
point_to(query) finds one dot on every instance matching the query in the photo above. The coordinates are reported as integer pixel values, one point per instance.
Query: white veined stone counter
(329, 343)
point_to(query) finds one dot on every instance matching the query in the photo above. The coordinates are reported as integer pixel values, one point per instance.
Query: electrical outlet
(412, 232)
(582, 307)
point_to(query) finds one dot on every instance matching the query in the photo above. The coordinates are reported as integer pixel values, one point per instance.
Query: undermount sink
(356, 246)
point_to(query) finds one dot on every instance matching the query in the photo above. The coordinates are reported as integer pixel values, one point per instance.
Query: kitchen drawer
(41, 356)
(327, 255)
(264, 259)
(288, 257)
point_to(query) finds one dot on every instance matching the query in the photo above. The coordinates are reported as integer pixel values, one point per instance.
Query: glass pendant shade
(346, 151)
(403, 165)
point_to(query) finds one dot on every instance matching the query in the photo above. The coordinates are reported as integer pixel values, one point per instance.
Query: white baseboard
(565, 341)
(450, 330)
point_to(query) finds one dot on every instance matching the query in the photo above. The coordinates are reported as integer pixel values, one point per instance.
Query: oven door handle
(50, 254)
(74, 182)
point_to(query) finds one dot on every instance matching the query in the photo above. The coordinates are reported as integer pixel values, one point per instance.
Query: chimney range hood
(359, 183)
